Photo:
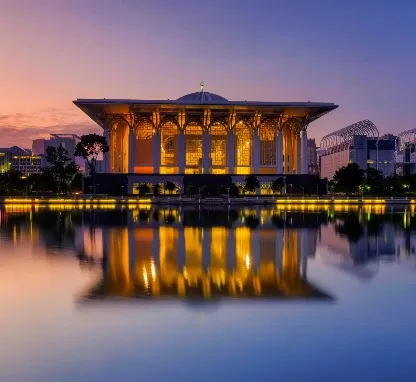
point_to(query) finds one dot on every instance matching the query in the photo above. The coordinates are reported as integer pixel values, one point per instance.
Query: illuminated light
(145, 278)
(153, 270)
(248, 262)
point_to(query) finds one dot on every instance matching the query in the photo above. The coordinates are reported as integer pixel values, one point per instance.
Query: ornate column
(279, 152)
(304, 144)
(156, 151)
(132, 149)
(181, 151)
(107, 155)
(206, 150)
(298, 154)
(230, 151)
(255, 151)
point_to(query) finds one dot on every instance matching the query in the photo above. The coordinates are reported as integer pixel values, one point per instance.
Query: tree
(77, 182)
(89, 148)
(233, 191)
(190, 189)
(169, 186)
(11, 182)
(277, 185)
(374, 181)
(61, 168)
(251, 183)
(156, 189)
(143, 189)
(348, 178)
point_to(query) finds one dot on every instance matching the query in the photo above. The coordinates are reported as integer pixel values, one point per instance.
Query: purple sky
(358, 54)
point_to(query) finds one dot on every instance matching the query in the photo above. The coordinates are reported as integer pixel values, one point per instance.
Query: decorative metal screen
(243, 143)
(144, 135)
(267, 145)
(169, 144)
(218, 145)
(193, 144)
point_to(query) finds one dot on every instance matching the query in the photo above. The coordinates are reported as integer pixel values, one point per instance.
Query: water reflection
(215, 253)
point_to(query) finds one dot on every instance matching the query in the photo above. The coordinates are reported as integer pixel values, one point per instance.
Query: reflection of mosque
(168, 258)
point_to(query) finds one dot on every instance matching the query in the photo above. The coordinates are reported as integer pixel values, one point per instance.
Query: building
(27, 164)
(406, 152)
(16, 158)
(313, 167)
(67, 141)
(204, 133)
(358, 143)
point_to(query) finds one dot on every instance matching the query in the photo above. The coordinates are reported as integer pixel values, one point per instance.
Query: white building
(359, 143)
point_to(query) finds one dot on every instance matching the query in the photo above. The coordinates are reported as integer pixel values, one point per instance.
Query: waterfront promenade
(185, 200)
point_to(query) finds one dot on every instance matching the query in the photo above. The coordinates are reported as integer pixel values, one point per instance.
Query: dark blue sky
(358, 54)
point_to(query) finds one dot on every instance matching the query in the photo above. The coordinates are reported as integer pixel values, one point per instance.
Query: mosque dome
(202, 97)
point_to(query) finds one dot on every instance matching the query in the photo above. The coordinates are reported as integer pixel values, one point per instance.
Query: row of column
(301, 152)
(301, 250)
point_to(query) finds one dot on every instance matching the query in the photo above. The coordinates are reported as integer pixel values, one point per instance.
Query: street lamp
(303, 191)
(199, 195)
(122, 192)
(391, 192)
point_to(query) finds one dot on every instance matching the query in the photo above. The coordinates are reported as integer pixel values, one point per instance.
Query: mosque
(203, 133)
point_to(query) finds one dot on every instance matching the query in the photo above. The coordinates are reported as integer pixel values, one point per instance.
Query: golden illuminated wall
(267, 145)
(218, 146)
(243, 145)
(119, 148)
(193, 146)
(169, 144)
(144, 152)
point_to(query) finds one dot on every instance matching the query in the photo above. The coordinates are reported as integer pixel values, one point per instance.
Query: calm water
(218, 294)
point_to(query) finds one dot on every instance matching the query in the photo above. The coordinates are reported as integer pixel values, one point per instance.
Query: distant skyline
(357, 54)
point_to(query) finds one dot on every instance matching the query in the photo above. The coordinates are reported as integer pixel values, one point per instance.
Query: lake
(185, 294)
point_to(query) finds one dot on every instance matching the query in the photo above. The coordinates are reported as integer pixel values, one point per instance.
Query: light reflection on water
(185, 294)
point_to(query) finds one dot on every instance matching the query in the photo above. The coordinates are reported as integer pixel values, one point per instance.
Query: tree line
(352, 179)
(61, 175)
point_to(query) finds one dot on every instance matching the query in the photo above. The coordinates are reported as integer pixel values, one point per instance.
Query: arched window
(193, 145)
(169, 144)
(267, 144)
(243, 144)
(144, 133)
(218, 145)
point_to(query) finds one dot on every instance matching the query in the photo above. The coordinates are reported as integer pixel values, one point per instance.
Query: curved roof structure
(408, 136)
(343, 138)
(202, 97)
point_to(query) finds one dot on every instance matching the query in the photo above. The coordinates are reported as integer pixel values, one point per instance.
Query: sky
(360, 55)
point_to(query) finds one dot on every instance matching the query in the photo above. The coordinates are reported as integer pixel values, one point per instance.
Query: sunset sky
(359, 54)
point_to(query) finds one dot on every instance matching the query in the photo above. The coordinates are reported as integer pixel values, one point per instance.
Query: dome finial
(201, 84)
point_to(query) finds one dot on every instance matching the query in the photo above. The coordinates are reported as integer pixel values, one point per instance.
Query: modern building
(204, 133)
(406, 152)
(358, 143)
(18, 159)
(313, 167)
(27, 164)
(67, 141)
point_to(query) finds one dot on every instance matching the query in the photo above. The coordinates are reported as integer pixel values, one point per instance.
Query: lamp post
(122, 192)
(228, 192)
(199, 195)
(391, 192)
(317, 191)
(303, 192)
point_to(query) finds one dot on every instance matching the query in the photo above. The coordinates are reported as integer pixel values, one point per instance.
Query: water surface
(202, 294)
